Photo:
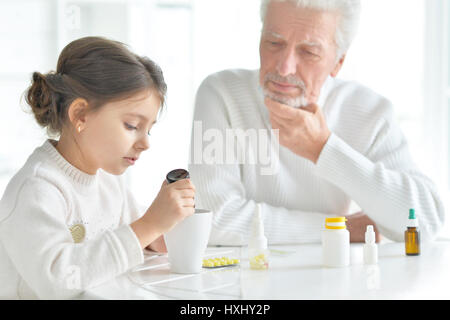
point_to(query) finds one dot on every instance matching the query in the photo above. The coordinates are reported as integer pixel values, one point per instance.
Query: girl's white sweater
(38, 255)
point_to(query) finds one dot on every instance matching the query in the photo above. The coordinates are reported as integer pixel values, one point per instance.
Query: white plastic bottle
(370, 247)
(258, 253)
(335, 243)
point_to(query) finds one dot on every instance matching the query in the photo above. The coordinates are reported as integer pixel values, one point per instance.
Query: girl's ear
(77, 113)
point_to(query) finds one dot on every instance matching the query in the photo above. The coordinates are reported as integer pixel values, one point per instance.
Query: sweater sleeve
(219, 188)
(42, 250)
(385, 182)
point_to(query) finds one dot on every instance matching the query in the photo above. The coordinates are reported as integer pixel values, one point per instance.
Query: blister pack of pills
(220, 262)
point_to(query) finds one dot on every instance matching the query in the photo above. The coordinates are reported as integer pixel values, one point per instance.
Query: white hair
(349, 13)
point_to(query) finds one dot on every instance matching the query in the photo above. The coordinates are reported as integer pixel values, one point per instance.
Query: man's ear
(77, 112)
(338, 66)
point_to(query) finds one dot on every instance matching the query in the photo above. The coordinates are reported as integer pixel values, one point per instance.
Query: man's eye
(309, 53)
(130, 127)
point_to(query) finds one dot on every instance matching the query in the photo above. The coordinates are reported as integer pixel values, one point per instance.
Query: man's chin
(294, 102)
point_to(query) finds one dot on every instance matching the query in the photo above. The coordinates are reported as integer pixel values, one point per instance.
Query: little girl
(67, 222)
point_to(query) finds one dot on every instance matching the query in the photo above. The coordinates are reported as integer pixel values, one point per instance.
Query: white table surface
(295, 272)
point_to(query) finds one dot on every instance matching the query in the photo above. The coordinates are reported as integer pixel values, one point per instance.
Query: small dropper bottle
(258, 253)
(370, 247)
(412, 236)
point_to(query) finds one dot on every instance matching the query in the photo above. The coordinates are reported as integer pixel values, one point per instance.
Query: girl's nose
(143, 143)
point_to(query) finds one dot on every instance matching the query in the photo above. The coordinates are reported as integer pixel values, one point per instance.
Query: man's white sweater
(366, 159)
(39, 257)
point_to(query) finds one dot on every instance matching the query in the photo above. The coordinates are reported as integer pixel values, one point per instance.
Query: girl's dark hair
(96, 69)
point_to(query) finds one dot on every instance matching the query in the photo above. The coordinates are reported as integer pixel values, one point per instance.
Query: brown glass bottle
(412, 241)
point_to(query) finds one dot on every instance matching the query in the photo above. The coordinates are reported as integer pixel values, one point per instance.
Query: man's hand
(304, 131)
(357, 224)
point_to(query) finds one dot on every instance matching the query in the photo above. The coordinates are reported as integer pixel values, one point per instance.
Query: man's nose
(288, 63)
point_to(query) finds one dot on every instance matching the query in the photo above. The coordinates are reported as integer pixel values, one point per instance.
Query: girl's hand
(173, 203)
(158, 245)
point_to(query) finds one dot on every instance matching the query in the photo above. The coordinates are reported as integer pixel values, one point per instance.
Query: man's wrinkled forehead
(285, 19)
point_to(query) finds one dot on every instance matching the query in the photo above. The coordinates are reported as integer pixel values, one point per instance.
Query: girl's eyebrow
(138, 115)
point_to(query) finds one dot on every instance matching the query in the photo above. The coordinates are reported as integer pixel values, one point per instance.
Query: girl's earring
(79, 129)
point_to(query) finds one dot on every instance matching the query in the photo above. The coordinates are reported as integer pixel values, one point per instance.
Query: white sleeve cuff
(131, 245)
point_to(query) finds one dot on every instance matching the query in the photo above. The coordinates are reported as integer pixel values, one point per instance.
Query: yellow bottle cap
(335, 223)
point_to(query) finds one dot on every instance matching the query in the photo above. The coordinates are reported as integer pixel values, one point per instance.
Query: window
(446, 36)
(27, 32)
(437, 95)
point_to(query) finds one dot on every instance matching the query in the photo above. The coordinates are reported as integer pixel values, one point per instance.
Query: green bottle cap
(412, 214)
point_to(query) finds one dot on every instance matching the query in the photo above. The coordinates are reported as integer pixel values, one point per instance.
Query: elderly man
(338, 141)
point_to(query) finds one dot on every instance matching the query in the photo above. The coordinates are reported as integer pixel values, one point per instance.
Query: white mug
(187, 241)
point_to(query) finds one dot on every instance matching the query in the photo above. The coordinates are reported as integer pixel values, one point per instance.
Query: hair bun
(41, 99)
